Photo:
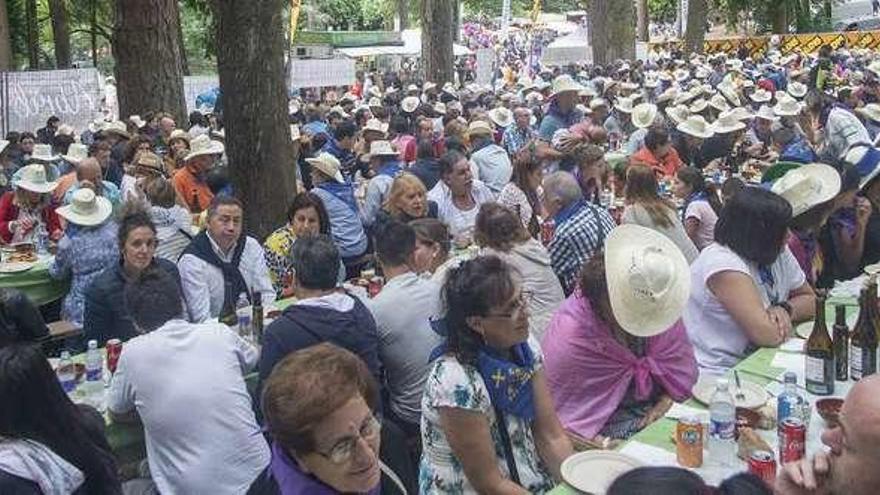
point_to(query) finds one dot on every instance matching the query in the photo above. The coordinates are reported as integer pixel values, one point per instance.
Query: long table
(653, 446)
(36, 283)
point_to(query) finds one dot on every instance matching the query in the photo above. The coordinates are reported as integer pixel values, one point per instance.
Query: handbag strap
(505, 441)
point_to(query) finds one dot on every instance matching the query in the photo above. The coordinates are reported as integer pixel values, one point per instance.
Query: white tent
(412, 47)
(574, 48)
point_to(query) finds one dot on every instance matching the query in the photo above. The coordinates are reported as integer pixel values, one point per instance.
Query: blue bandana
(391, 169)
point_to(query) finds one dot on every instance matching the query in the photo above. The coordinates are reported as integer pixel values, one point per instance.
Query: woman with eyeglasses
(488, 423)
(106, 316)
(324, 443)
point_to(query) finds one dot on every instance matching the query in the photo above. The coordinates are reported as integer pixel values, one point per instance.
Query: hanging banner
(318, 73)
(804, 44)
(30, 98)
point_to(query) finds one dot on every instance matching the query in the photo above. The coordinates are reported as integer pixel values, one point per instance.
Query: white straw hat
(643, 115)
(718, 102)
(479, 128)
(116, 127)
(678, 113)
(76, 153)
(624, 105)
(796, 89)
(729, 92)
(328, 165)
(761, 95)
(698, 106)
(565, 83)
(501, 116)
(696, 126)
(203, 145)
(871, 111)
(137, 121)
(86, 208)
(376, 125)
(33, 178)
(668, 94)
(410, 104)
(766, 113)
(787, 107)
(648, 280)
(727, 123)
(440, 108)
(381, 148)
(43, 154)
(742, 113)
(808, 186)
(375, 102)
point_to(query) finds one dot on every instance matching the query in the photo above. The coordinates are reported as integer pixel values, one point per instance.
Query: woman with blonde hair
(646, 208)
(407, 201)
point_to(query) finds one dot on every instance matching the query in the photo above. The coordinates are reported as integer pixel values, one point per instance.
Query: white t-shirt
(702, 211)
(719, 342)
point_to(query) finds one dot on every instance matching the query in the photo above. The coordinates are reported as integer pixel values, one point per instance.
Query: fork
(740, 397)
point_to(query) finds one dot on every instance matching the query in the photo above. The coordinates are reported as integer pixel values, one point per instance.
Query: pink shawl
(589, 372)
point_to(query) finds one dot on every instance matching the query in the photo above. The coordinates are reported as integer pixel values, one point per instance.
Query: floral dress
(451, 384)
(277, 247)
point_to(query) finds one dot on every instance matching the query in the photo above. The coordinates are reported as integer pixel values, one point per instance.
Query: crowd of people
(562, 257)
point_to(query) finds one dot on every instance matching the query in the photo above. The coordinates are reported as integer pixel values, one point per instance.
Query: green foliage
(802, 16)
(662, 10)
(519, 8)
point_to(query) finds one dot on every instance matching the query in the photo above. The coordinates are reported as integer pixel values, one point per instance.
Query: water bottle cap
(93, 344)
(790, 377)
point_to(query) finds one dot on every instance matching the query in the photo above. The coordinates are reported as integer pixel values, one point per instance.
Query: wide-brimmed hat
(808, 186)
(43, 154)
(624, 105)
(116, 127)
(718, 102)
(375, 102)
(871, 111)
(178, 134)
(648, 280)
(376, 125)
(729, 92)
(480, 128)
(410, 104)
(787, 107)
(565, 83)
(328, 165)
(381, 148)
(766, 113)
(629, 86)
(203, 145)
(696, 126)
(428, 86)
(741, 113)
(338, 110)
(588, 92)
(727, 123)
(440, 108)
(796, 89)
(501, 116)
(643, 115)
(761, 95)
(684, 97)
(597, 103)
(76, 153)
(874, 67)
(33, 178)
(668, 94)
(681, 75)
(698, 105)
(86, 208)
(678, 113)
(65, 130)
(137, 121)
(149, 163)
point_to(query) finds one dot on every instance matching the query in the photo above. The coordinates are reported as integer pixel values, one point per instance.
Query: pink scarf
(589, 372)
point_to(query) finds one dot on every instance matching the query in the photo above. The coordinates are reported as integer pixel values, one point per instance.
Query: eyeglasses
(525, 298)
(344, 449)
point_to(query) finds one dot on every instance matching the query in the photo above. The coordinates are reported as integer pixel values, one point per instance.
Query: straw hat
(565, 83)
(580, 107)
(203, 145)
(698, 106)
(116, 127)
(874, 67)
(65, 130)
(588, 92)
(428, 86)
(796, 89)
(178, 134)
(76, 153)
(410, 104)
(669, 94)
(33, 178)
(787, 107)
(293, 107)
(381, 148)
(137, 121)
(748, 83)
(648, 280)
(729, 92)
(440, 108)
(376, 125)
(766, 113)
(375, 92)
(808, 186)
(727, 123)
(678, 113)
(624, 105)
(86, 208)
(328, 165)
(718, 102)
(43, 154)
(741, 113)
(629, 86)
(150, 163)
(761, 95)
(696, 126)
(643, 115)
(338, 110)
(390, 90)
(871, 111)
(374, 102)
(597, 103)
(684, 97)
(480, 128)
(502, 117)
(681, 75)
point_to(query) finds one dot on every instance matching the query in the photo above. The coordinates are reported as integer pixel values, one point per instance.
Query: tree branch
(99, 32)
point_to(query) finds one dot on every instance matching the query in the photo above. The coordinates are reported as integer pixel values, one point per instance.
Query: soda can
(689, 442)
(763, 465)
(114, 349)
(375, 286)
(792, 440)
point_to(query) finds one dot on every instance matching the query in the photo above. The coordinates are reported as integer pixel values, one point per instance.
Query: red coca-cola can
(114, 349)
(792, 440)
(548, 228)
(763, 465)
(375, 286)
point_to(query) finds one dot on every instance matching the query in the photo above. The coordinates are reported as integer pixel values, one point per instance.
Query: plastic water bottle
(66, 372)
(94, 386)
(42, 240)
(790, 402)
(722, 425)
(243, 312)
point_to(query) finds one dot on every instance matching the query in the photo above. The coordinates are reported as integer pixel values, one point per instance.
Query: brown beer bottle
(863, 341)
(820, 354)
(841, 344)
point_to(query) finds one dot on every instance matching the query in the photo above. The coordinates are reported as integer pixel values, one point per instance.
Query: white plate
(806, 328)
(593, 471)
(755, 395)
(16, 267)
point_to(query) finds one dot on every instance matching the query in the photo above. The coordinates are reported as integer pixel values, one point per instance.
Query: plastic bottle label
(815, 374)
(722, 430)
(855, 362)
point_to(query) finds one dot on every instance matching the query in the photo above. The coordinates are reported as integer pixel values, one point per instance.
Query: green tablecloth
(36, 283)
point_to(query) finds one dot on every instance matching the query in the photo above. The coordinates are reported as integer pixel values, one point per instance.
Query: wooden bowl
(829, 409)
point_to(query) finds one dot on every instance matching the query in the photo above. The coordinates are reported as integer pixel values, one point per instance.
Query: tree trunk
(403, 14)
(780, 18)
(60, 33)
(250, 62)
(184, 61)
(147, 53)
(695, 33)
(33, 34)
(437, 36)
(5, 43)
(642, 20)
(93, 24)
(612, 33)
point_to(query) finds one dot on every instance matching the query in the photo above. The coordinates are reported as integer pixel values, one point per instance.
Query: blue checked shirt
(581, 230)
(515, 138)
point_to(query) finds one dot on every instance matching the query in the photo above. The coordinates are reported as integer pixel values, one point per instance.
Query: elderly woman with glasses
(322, 443)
